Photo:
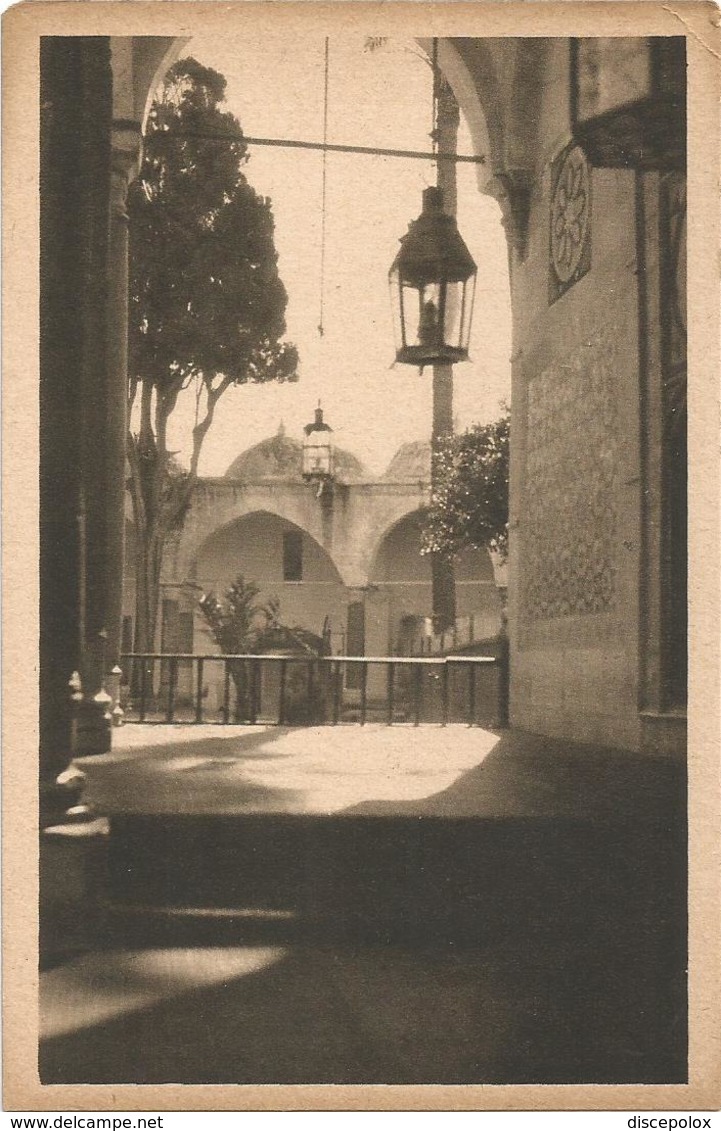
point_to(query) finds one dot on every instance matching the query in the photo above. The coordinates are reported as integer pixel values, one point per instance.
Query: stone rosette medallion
(570, 221)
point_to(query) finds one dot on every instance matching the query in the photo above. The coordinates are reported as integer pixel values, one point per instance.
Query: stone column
(125, 160)
(75, 172)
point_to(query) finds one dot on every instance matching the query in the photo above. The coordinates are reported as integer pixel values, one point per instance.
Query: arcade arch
(471, 66)
(399, 586)
(284, 559)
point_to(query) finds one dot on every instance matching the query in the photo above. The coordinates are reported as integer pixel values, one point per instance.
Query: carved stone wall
(569, 518)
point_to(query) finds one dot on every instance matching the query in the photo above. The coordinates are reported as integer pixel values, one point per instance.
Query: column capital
(126, 152)
(512, 190)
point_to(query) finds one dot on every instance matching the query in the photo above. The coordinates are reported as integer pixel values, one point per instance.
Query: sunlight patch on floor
(286, 770)
(97, 988)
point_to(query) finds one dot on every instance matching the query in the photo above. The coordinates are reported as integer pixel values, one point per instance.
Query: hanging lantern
(432, 282)
(318, 449)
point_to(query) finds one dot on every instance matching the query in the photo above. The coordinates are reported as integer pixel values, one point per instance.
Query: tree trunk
(149, 560)
(442, 570)
(158, 503)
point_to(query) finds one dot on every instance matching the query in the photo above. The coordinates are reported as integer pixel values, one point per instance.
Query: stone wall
(576, 486)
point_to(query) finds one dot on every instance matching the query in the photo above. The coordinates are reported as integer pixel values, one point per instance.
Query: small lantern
(318, 449)
(432, 281)
(628, 101)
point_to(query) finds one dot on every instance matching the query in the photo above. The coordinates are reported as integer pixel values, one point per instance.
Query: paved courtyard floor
(429, 770)
(367, 905)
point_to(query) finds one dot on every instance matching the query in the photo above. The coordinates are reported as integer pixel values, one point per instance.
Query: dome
(410, 464)
(279, 457)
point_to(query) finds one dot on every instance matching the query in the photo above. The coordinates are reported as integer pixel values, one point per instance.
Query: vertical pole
(446, 120)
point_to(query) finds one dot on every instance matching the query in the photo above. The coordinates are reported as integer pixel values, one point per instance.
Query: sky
(383, 99)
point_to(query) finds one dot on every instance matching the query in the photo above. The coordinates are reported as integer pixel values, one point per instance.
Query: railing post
(444, 694)
(281, 705)
(258, 689)
(391, 674)
(143, 689)
(172, 680)
(226, 692)
(503, 669)
(309, 689)
(199, 693)
(471, 694)
(337, 688)
(364, 692)
(417, 677)
(252, 693)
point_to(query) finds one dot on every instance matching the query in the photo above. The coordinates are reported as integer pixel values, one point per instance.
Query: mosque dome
(279, 457)
(410, 464)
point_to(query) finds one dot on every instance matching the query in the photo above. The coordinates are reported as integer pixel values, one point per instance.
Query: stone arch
(400, 579)
(409, 516)
(254, 545)
(217, 504)
(471, 564)
(477, 93)
(470, 65)
(275, 517)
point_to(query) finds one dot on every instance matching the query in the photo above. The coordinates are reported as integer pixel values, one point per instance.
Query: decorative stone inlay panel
(569, 519)
(570, 224)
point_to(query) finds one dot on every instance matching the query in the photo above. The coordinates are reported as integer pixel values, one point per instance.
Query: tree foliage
(469, 500)
(207, 305)
(243, 624)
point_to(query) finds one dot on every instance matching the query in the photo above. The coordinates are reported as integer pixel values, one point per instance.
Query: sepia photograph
(360, 488)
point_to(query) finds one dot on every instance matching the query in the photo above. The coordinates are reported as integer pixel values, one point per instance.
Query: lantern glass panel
(468, 294)
(434, 320)
(428, 321)
(317, 455)
(455, 316)
(396, 309)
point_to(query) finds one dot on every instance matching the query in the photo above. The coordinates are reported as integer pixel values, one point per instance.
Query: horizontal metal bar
(323, 146)
(309, 659)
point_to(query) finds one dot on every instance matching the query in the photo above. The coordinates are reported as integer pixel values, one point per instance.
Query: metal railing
(295, 690)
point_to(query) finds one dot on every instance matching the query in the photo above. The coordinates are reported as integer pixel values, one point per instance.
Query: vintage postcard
(361, 684)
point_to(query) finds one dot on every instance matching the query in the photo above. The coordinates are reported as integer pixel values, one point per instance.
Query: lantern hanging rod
(328, 147)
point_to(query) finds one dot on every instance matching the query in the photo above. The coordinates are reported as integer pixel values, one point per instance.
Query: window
(292, 555)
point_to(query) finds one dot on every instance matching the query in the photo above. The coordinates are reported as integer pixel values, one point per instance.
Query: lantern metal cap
(433, 248)
(318, 425)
